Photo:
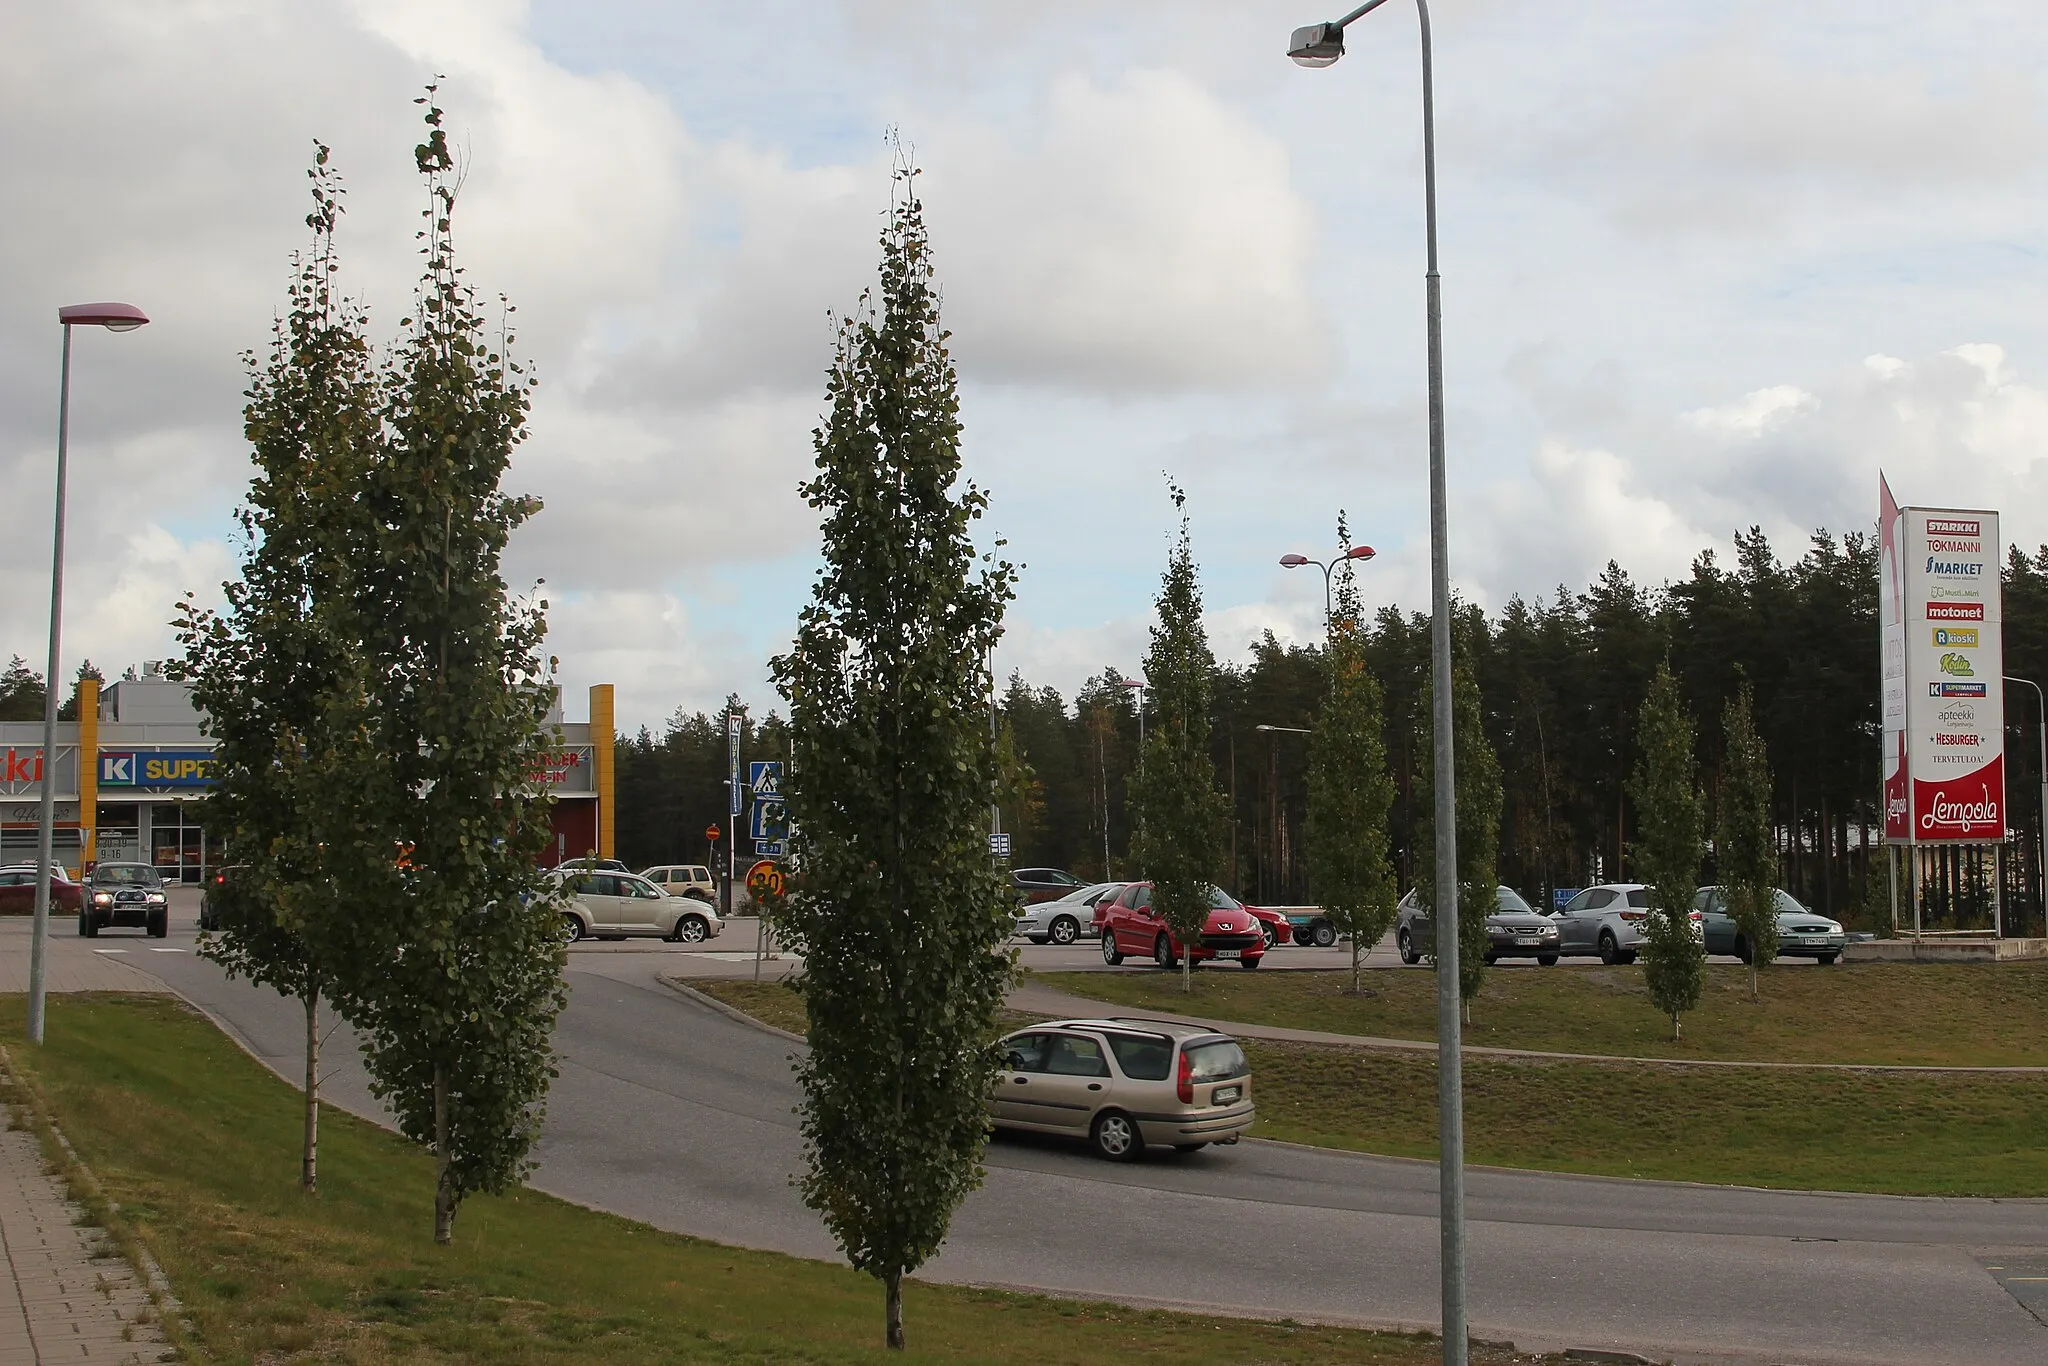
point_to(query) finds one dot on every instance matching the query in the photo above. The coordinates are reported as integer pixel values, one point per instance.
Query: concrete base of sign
(1945, 950)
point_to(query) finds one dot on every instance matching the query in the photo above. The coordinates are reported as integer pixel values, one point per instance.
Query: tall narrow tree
(1668, 848)
(1479, 806)
(1174, 801)
(441, 806)
(900, 913)
(1747, 851)
(263, 670)
(1349, 788)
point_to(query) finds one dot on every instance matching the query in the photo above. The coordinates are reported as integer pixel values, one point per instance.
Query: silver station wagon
(1123, 1084)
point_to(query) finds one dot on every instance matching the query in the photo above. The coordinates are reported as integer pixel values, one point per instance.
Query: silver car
(1513, 930)
(1611, 921)
(1122, 1084)
(1801, 933)
(608, 905)
(1067, 919)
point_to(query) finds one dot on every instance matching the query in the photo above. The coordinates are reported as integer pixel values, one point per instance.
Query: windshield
(1508, 899)
(1784, 903)
(1080, 894)
(126, 875)
(1220, 900)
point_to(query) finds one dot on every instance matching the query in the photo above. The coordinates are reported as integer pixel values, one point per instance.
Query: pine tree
(21, 692)
(1349, 788)
(899, 911)
(1748, 854)
(264, 671)
(1668, 849)
(1480, 798)
(443, 815)
(1174, 802)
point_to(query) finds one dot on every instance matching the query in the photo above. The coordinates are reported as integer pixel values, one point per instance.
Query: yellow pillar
(601, 763)
(88, 769)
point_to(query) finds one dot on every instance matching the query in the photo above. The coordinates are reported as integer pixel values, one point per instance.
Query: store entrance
(177, 849)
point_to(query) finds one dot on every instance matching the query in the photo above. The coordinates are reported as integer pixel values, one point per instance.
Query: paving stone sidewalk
(69, 1295)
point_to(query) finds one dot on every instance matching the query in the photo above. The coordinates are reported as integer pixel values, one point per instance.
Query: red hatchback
(18, 891)
(1130, 927)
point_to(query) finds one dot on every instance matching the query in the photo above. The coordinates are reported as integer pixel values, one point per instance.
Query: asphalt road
(674, 1114)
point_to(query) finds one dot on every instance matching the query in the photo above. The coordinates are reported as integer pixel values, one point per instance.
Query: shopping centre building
(138, 759)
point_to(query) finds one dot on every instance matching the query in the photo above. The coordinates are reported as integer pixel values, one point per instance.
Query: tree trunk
(1753, 997)
(1676, 1032)
(1354, 963)
(893, 1287)
(1187, 972)
(444, 1193)
(309, 1162)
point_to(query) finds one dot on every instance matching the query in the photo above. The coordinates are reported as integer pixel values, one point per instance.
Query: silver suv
(607, 905)
(1122, 1084)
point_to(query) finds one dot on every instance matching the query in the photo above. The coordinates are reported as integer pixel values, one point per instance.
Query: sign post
(732, 787)
(764, 882)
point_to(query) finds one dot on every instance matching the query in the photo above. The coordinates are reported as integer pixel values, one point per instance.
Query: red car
(18, 891)
(1131, 927)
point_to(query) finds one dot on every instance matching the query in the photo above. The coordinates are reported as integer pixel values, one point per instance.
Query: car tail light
(1186, 1087)
(1635, 915)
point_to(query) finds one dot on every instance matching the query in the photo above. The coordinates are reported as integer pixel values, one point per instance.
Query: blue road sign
(771, 848)
(732, 758)
(768, 820)
(999, 845)
(765, 775)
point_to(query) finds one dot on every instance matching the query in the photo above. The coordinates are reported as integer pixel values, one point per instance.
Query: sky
(1704, 267)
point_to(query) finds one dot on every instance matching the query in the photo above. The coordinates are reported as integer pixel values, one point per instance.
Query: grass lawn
(1924, 1013)
(198, 1144)
(1901, 1134)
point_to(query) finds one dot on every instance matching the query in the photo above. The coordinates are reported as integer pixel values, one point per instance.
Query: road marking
(110, 950)
(153, 949)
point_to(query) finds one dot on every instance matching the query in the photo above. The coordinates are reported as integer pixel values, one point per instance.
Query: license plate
(1229, 953)
(1530, 940)
(1224, 1095)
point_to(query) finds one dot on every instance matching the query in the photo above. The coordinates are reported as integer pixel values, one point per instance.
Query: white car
(683, 879)
(1610, 920)
(1067, 919)
(607, 905)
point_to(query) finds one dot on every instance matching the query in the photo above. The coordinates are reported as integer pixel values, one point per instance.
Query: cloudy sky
(1705, 265)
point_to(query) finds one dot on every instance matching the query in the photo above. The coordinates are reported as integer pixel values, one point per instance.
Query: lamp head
(112, 316)
(1360, 552)
(1134, 682)
(1293, 561)
(1316, 45)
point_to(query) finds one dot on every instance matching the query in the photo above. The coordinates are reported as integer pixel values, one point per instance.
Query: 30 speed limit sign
(765, 879)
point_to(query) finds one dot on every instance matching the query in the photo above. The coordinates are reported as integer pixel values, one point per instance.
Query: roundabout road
(674, 1114)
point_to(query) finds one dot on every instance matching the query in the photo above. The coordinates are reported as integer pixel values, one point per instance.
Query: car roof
(1172, 1029)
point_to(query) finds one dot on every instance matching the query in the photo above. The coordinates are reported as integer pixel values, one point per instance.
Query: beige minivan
(1122, 1084)
(683, 879)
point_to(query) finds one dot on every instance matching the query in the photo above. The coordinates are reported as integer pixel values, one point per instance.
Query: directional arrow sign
(770, 820)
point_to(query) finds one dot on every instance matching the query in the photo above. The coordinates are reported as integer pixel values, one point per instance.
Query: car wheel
(692, 929)
(1065, 930)
(1742, 948)
(1039, 938)
(1408, 953)
(1115, 1136)
(1546, 960)
(1610, 952)
(1489, 958)
(1272, 936)
(1248, 964)
(573, 926)
(160, 925)
(92, 926)
(1628, 958)
(1827, 960)
(82, 930)
(1163, 954)
(1324, 934)
(1110, 955)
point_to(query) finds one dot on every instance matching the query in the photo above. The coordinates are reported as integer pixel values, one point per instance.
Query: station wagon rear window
(1216, 1061)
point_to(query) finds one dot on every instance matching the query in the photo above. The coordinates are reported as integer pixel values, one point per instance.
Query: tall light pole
(115, 318)
(1320, 45)
(1357, 552)
(1140, 685)
(2041, 698)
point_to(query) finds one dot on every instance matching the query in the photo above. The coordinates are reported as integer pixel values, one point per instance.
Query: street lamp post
(1319, 45)
(115, 318)
(1357, 552)
(1140, 685)
(2041, 698)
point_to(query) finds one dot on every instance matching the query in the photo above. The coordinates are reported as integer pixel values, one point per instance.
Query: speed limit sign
(765, 879)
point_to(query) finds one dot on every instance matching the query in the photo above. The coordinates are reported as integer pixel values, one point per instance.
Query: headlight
(102, 899)
(156, 898)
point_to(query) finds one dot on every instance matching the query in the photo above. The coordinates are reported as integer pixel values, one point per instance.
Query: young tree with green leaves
(1349, 788)
(899, 911)
(1668, 848)
(1175, 804)
(1480, 797)
(1747, 847)
(436, 799)
(263, 670)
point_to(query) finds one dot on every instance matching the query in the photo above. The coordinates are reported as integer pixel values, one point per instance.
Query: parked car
(1123, 1084)
(1034, 885)
(1275, 926)
(130, 895)
(596, 864)
(18, 890)
(1801, 933)
(212, 896)
(1067, 918)
(1610, 920)
(609, 905)
(1132, 927)
(1513, 930)
(683, 879)
(1312, 927)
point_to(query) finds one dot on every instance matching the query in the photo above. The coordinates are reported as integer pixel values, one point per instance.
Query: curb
(691, 993)
(165, 1299)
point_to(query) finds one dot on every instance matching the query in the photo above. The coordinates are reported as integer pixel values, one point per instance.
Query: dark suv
(124, 894)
